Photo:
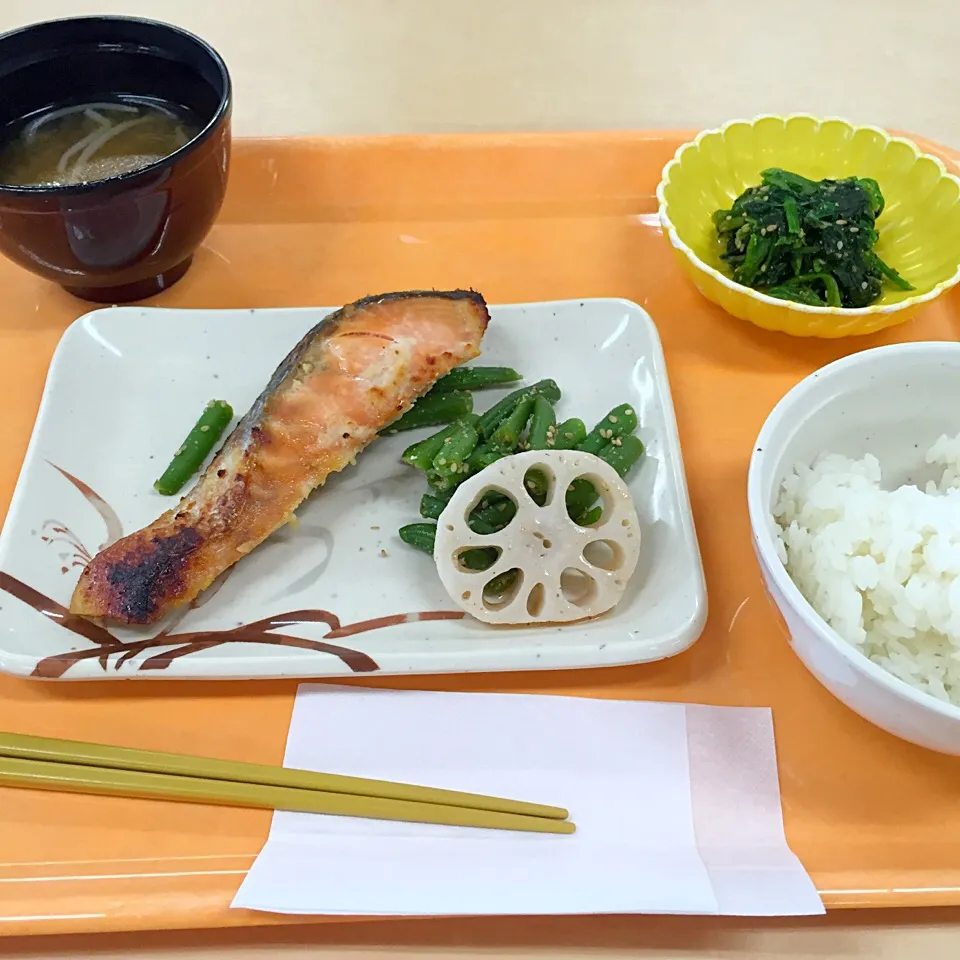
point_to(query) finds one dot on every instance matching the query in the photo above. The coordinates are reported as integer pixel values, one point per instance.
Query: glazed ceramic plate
(339, 594)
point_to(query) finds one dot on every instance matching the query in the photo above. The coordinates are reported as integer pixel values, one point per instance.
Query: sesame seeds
(839, 244)
(863, 286)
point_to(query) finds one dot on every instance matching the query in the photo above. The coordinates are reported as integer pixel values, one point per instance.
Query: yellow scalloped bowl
(919, 227)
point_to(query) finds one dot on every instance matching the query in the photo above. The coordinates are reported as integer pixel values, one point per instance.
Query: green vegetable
(501, 584)
(800, 290)
(431, 410)
(581, 495)
(422, 536)
(493, 417)
(450, 460)
(493, 513)
(481, 458)
(507, 436)
(792, 213)
(542, 436)
(591, 516)
(890, 273)
(622, 453)
(543, 425)
(570, 434)
(421, 454)
(796, 291)
(509, 417)
(479, 558)
(807, 241)
(194, 449)
(876, 197)
(536, 484)
(454, 453)
(433, 504)
(475, 378)
(619, 421)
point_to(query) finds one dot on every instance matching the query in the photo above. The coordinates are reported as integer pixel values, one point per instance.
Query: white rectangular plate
(340, 594)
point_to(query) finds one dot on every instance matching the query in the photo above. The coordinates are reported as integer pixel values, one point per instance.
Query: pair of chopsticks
(43, 763)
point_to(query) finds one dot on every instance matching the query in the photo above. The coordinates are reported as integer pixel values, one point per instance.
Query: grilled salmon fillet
(354, 373)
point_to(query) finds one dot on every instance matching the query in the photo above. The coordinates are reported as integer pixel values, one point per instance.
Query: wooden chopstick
(76, 778)
(53, 764)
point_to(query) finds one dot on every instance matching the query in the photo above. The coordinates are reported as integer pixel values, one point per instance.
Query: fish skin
(355, 372)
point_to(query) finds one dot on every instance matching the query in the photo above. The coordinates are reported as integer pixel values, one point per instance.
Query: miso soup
(84, 142)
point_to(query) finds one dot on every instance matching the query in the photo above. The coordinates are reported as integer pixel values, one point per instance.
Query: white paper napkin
(677, 809)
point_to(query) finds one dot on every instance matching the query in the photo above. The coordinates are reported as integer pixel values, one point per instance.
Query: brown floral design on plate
(108, 649)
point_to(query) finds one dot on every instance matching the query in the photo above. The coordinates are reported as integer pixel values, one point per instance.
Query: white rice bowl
(881, 567)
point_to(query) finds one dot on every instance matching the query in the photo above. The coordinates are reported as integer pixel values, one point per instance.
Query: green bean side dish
(808, 241)
(523, 420)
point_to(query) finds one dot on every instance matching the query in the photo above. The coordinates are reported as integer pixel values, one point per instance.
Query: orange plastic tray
(528, 217)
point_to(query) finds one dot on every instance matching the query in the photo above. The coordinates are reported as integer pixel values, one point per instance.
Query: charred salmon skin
(354, 373)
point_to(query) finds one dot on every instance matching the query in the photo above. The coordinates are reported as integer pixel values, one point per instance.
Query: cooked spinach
(807, 241)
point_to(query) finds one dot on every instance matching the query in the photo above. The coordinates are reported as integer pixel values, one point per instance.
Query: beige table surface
(384, 66)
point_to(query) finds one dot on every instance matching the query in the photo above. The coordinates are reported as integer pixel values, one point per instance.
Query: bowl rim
(872, 310)
(760, 520)
(123, 180)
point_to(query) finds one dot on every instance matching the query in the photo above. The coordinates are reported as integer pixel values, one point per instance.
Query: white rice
(881, 567)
